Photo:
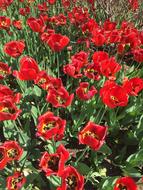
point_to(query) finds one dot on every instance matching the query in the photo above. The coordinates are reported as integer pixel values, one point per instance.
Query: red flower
(98, 39)
(51, 126)
(5, 22)
(24, 11)
(16, 181)
(93, 135)
(59, 98)
(17, 24)
(133, 86)
(14, 48)
(53, 164)
(83, 93)
(13, 150)
(45, 81)
(91, 72)
(28, 69)
(46, 35)
(7, 94)
(3, 157)
(36, 24)
(138, 55)
(51, 2)
(8, 110)
(71, 179)
(4, 70)
(109, 68)
(125, 183)
(57, 42)
(134, 4)
(73, 69)
(113, 95)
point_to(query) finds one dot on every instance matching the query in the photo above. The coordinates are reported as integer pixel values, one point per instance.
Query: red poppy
(133, 86)
(138, 55)
(36, 24)
(53, 164)
(113, 95)
(71, 179)
(3, 157)
(16, 181)
(8, 110)
(14, 48)
(125, 183)
(93, 135)
(5, 22)
(51, 126)
(4, 70)
(13, 150)
(83, 93)
(7, 94)
(57, 42)
(59, 98)
(28, 69)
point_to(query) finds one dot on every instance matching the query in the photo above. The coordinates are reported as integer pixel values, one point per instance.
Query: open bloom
(5, 70)
(8, 110)
(14, 48)
(51, 126)
(133, 86)
(83, 93)
(5, 22)
(113, 95)
(57, 42)
(54, 163)
(7, 93)
(16, 181)
(71, 179)
(59, 98)
(93, 135)
(125, 183)
(9, 151)
(13, 150)
(28, 69)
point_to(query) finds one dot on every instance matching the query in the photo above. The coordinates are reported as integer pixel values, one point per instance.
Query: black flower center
(1, 156)
(122, 187)
(53, 163)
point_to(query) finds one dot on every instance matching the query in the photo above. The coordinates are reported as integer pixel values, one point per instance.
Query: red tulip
(28, 69)
(5, 22)
(16, 181)
(4, 70)
(125, 183)
(59, 98)
(57, 42)
(71, 179)
(14, 48)
(93, 135)
(51, 126)
(53, 164)
(83, 93)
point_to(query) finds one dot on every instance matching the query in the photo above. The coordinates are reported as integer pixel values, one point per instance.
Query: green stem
(82, 155)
